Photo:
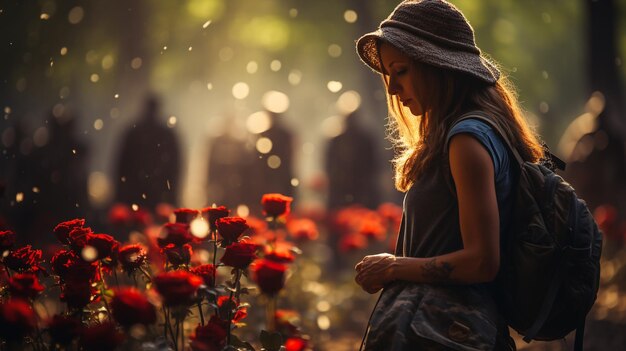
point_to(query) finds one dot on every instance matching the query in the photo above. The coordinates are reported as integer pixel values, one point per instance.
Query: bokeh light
(258, 122)
(241, 90)
(275, 101)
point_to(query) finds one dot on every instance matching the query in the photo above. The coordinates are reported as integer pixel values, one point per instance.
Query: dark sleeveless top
(455, 317)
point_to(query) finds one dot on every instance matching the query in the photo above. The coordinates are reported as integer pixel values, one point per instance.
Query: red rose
(210, 337)
(354, 241)
(177, 255)
(101, 337)
(69, 266)
(24, 259)
(17, 319)
(78, 238)
(174, 233)
(206, 272)
(237, 313)
(131, 257)
(230, 229)
(279, 254)
(64, 329)
(212, 214)
(185, 215)
(7, 240)
(120, 214)
(77, 294)
(303, 229)
(63, 229)
(239, 255)
(103, 243)
(275, 205)
(296, 344)
(25, 285)
(130, 306)
(177, 287)
(269, 276)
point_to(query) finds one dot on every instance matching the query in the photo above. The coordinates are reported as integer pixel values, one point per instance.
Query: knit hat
(433, 32)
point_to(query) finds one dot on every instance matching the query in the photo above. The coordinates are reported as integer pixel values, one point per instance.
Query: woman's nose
(392, 87)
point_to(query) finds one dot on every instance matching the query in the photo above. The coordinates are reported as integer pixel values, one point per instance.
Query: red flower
(279, 254)
(120, 214)
(303, 229)
(17, 319)
(7, 240)
(177, 255)
(287, 322)
(24, 259)
(230, 229)
(174, 233)
(70, 267)
(131, 257)
(296, 344)
(352, 242)
(131, 307)
(185, 215)
(77, 294)
(269, 276)
(104, 244)
(210, 337)
(212, 214)
(101, 337)
(206, 272)
(177, 287)
(239, 312)
(78, 238)
(63, 229)
(275, 205)
(63, 329)
(239, 255)
(25, 285)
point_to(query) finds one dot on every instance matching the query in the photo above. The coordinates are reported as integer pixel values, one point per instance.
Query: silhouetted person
(149, 162)
(229, 167)
(352, 168)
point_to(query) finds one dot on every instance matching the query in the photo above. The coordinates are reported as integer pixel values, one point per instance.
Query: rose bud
(185, 215)
(275, 205)
(177, 287)
(24, 259)
(206, 272)
(239, 255)
(178, 255)
(269, 276)
(212, 214)
(63, 229)
(25, 285)
(63, 329)
(230, 229)
(131, 307)
(210, 337)
(17, 319)
(103, 243)
(78, 238)
(175, 233)
(101, 337)
(7, 240)
(237, 313)
(69, 266)
(131, 257)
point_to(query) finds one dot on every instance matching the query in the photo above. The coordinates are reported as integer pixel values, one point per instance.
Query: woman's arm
(478, 261)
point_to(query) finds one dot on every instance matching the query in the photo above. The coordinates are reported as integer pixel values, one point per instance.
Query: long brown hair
(445, 95)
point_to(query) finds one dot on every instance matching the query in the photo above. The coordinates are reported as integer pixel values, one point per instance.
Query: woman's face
(403, 77)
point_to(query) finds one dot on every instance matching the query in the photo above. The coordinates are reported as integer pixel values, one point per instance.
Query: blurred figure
(352, 168)
(149, 162)
(229, 167)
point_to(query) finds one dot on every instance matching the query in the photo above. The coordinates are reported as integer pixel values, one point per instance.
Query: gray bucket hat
(433, 32)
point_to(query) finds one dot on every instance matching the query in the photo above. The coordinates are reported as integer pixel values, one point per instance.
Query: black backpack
(550, 262)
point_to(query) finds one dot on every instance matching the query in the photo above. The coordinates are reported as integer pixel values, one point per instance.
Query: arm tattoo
(438, 272)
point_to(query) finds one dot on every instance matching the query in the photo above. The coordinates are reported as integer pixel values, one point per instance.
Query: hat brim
(425, 52)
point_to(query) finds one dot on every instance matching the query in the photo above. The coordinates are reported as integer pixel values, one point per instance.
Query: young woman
(458, 179)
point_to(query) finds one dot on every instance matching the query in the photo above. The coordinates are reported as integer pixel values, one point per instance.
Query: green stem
(270, 311)
(201, 314)
(143, 270)
(102, 288)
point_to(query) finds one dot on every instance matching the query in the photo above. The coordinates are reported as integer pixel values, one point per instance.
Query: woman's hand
(374, 271)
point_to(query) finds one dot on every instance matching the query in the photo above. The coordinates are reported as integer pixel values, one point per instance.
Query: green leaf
(271, 341)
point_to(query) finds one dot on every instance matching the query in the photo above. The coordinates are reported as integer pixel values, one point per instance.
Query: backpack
(550, 256)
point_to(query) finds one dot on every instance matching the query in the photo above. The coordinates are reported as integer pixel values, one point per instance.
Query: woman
(458, 179)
